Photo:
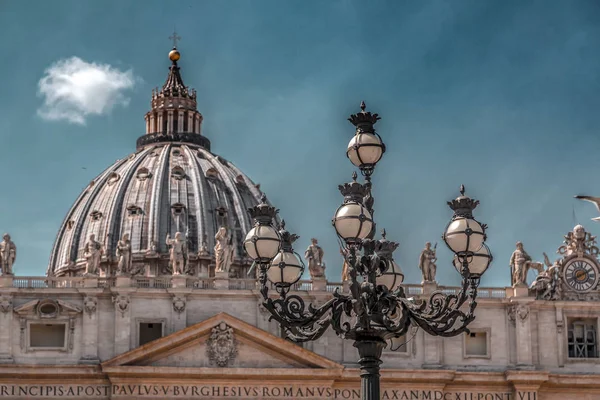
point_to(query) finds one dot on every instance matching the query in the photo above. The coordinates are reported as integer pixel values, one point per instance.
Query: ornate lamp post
(376, 308)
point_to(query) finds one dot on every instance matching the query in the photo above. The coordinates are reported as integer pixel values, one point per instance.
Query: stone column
(159, 126)
(429, 287)
(6, 322)
(523, 335)
(319, 284)
(526, 384)
(179, 313)
(190, 121)
(122, 303)
(170, 121)
(152, 128)
(6, 281)
(222, 280)
(179, 293)
(432, 351)
(90, 325)
(180, 122)
(123, 282)
(560, 337)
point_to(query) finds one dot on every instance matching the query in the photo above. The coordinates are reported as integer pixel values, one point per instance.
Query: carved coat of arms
(221, 345)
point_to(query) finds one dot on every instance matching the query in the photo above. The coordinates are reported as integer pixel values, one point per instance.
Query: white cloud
(73, 89)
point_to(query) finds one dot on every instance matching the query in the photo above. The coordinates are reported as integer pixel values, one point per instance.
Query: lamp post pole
(376, 308)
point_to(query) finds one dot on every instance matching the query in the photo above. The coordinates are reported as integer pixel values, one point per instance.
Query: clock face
(581, 275)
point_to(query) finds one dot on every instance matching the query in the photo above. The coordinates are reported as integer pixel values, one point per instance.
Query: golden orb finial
(174, 55)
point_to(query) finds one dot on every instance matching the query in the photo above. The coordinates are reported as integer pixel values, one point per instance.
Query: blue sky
(502, 96)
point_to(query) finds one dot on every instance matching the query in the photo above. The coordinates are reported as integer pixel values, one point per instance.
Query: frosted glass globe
(478, 262)
(364, 148)
(285, 268)
(457, 235)
(349, 224)
(262, 242)
(392, 277)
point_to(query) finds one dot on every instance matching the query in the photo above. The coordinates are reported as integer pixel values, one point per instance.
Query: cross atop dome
(174, 115)
(175, 38)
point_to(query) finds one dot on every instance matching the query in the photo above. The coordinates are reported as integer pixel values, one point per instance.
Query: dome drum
(172, 207)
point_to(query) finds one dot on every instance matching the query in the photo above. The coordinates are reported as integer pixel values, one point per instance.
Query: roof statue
(575, 275)
(168, 188)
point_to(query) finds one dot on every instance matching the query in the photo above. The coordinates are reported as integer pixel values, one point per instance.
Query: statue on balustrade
(314, 255)
(92, 252)
(177, 253)
(427, 260)
(223, 250)
(345, 271)
(203, 251)
(547, 285)
(519, 266)
(124, 255)
(8, 254)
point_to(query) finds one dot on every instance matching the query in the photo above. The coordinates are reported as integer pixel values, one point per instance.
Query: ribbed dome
(173, 183)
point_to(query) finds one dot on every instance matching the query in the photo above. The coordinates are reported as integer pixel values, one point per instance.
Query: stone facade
(218, 343)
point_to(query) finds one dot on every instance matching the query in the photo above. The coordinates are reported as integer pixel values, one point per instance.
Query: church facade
(149, 295)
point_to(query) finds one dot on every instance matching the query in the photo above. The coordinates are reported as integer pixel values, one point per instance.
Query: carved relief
(178, 304)
(5, 303)
(221, 346)
(510, 312)
(522, 312)
(89, 304)
(72, 332)
(121, 304)
(23, 327)
(413, 339)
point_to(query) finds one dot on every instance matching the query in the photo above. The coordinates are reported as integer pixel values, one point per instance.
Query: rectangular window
(476, 344)
(582, 339)
(150, 331)
(47, 335)
(397, 345)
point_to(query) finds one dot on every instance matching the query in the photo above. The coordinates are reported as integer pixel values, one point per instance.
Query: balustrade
(165, 282)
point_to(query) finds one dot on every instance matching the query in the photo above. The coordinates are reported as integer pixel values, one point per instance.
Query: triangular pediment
(222, 341)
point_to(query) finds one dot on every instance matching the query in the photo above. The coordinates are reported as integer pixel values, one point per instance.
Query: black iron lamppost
(376, 309)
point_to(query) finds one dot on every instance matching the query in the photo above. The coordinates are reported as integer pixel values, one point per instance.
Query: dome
(172, 183)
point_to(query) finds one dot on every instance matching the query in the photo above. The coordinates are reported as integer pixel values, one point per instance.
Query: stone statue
(124, 254)
(92, 252)
(177, 252)
(345, 271)
(519, 261)
(203, 251)
(427, 260)
(547, 285)
(8, 254)
(314, 256)
(223, 250)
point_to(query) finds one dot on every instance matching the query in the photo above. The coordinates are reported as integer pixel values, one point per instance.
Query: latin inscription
(235, 391)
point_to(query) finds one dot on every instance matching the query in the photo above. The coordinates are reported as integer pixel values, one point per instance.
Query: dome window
(134, 210)
(143, 174)
(178, 173)
(96, 215)
(240, 180)
(176, 153)
(212, 173)
(178, 208)
(70, 224)
(113, 178)
(200, 155)
(222, 160)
